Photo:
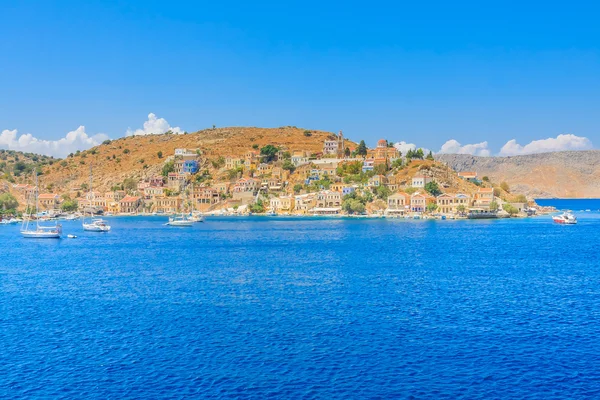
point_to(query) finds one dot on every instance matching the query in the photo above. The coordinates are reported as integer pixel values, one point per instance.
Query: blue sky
(420, 72)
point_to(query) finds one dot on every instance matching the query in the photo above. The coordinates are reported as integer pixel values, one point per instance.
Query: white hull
(95, 228)
(40, 235)
(180, 223)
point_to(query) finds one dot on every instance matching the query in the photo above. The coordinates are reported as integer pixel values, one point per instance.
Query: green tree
(307, 133)
(159, 154)
(168, 168)
(107, 141)
(130, 184)
(257, 207)
(433, 188)
(504, 186)
(493, 206)
(397, 163)
(126, 151)
(255, 146)
(347, 152)
(383, 192)
(362, 149)
(68, 205)
(269, 153)
(380, 169)
(461, 209)
(430, 156)
(8, 202)
(289, 166)
(486, 179)
(419, 154)
(521, 199)
(509, 208)
(353, 206)
(298, 187)
(431, 207)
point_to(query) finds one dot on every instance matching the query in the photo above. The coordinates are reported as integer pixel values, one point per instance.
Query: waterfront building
(114, 196)
(398, 203)
(204, 197)
(130, 204)
(484, 197)
(445, 202)
(167, 205)
(282, 204)
(304, 203)
(48, 201)
(419, 201)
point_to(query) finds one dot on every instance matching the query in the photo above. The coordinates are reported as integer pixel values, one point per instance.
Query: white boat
(93, 224)
(39, 231)
(96, 225)
(566, 218)
(182, 220)
(196, 218)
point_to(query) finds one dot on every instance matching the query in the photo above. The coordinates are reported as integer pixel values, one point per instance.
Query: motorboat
(93, 224)
(566, 218)
(96, 225)
(181, 220)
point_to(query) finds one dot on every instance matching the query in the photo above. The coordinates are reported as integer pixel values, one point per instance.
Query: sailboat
(195, 217)
(180, 220)
(94, 224)
(39, 231)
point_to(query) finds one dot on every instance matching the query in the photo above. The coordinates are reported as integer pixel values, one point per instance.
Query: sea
(303, 308)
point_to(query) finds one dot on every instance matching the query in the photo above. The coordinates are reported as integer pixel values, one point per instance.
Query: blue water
(571, 204)
(303, 308)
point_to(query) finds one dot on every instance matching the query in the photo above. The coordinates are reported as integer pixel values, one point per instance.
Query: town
(343, 179)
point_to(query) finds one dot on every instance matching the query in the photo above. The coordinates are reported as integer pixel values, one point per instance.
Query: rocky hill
(142, 156)
(559, 174)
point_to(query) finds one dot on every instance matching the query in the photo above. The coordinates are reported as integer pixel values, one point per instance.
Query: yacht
(93, 224)
(181, 220)
(38, 231)
(566, 218)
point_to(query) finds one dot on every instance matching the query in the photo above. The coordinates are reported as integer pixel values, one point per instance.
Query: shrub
(159, 154)
(505, 187)
(125, 151)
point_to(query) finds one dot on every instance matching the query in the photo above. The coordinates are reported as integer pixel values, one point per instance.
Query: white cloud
(454, 147)
(559, 143)
(155, 126)
(73, 141)
(404, 147)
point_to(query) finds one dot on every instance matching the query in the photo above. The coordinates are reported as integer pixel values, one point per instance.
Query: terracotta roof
(47, 196)
(129, 199)
(468, 174)
(486, 190)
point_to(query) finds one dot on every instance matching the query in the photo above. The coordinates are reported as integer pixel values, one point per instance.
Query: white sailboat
(94, 224)
(195, 217)
(38, 231)
(182, 220)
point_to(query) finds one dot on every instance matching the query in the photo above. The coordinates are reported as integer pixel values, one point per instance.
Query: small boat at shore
(94, 224)
(39, 231)
(566, 218)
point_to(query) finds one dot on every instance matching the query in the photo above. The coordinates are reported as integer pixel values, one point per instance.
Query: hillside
(560, 174)
(138, 156)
